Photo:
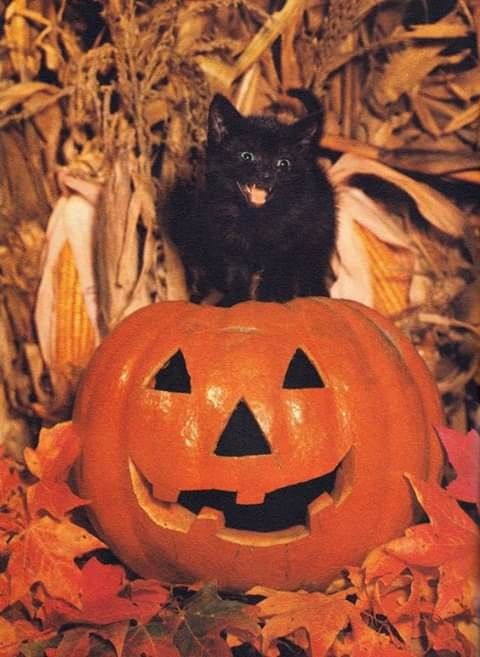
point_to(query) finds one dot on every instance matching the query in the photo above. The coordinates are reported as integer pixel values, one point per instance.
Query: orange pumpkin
(260, 444)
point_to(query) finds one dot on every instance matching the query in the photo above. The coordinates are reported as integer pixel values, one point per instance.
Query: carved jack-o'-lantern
(263, 443)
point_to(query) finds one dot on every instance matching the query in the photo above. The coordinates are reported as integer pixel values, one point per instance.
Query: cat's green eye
(247, 156)
(283, 164)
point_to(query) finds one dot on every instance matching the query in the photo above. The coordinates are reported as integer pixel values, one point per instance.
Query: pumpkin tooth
(164, 494)
(208, 521)
(314, 515)
(250, 497)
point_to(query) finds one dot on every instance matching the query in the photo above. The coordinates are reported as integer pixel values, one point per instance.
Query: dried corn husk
(66, 308)
(390, 260)
(355, 207)
(129, 275)
(435, 207)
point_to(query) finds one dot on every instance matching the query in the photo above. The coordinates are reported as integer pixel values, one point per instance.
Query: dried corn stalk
(401, 250)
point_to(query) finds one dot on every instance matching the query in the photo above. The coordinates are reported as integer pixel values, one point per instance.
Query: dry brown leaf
(221, 76)
(428, 158)
(466, 84)
(19, 93)
(19, 36)
(443, 29)
(424, 114)
(405, 69)
(436, 208)
(463, 119)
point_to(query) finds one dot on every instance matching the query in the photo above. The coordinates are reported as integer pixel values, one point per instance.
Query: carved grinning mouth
(281, 509)
(255, 195)
(285, 514)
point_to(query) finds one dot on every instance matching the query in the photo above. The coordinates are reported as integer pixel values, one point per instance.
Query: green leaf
(206, 617)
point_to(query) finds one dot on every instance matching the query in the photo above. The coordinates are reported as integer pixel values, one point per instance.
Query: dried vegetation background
(110, 98)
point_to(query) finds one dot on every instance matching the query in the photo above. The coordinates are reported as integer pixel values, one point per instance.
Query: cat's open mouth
(255, 195)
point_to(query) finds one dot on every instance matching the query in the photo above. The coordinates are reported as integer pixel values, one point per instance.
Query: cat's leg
(299, 274)
(276, 282)
(312, 272)
(235, 284)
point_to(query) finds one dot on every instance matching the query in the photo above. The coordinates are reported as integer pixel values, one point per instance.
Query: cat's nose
(267, 177)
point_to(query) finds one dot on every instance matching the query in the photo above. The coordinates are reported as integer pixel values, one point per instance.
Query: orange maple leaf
(55, 454)
(284, 612)
(14, 633)
(45, 552)
(394, 589)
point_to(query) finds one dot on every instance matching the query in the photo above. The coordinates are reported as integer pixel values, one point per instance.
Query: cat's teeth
(254, 195)
(258, 196)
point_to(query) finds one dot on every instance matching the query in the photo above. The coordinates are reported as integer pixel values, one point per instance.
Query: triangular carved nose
(242, 436)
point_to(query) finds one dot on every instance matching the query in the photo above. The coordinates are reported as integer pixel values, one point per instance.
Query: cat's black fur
(248, 243)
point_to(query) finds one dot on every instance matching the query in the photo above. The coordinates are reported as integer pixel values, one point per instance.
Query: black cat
(263, 227)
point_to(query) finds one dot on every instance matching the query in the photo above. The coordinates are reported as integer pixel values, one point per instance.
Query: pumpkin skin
(144, 450)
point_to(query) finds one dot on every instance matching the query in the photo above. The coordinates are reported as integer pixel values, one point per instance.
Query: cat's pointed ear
(307, 131)
(222, 119)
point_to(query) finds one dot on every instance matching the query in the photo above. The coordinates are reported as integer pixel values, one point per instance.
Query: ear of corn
(74, 339)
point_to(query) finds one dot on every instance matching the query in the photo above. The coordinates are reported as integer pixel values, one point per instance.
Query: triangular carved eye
(301, 373)
(173, 376)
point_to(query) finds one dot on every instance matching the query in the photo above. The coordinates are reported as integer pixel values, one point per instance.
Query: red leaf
(463, 451)
(147, 593)
(451, 542)
(57, 450)
(107, 598)
(450, 535)
(54, 497)
(45, 552)
(75, 643)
